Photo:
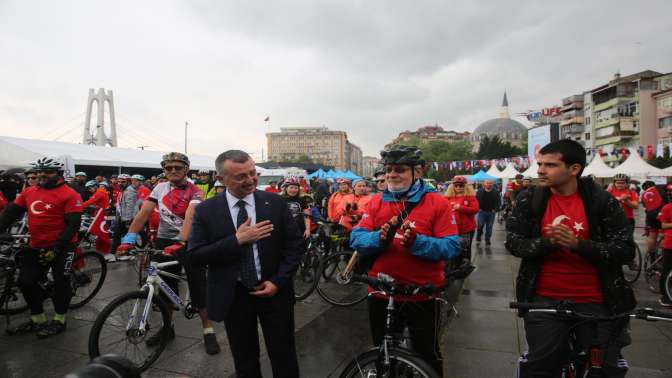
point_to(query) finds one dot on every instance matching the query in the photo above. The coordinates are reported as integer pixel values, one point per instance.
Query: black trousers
(548, 339)
(424, 324)
(33, 273)
(120, 229)
(667, 267)
(276, 316)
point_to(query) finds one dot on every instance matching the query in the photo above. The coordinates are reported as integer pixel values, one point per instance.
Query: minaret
(504, 111)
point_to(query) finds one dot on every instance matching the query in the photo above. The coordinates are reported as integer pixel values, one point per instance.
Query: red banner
(101, 230)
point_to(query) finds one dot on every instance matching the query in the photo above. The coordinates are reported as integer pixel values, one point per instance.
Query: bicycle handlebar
(567, 308)
(388, 285)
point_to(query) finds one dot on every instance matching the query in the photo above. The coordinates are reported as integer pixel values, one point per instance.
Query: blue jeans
(487, 219)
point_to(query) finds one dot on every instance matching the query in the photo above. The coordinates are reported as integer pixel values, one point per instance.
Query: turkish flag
(651, 199)
(100, 230)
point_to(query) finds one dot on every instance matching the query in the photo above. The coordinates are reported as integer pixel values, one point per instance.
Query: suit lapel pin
(266, 203)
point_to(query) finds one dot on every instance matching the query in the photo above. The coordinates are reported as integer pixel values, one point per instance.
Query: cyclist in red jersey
(54, 216)
(100, 198)
(628, 198)
(176, 200)
(412, 231)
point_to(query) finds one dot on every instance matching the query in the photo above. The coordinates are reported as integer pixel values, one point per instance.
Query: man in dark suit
(252, 247)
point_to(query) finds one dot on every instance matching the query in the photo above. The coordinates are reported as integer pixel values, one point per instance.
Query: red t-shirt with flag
(632, 196)
(46, 212)
(565, 275)
(433, 217)
(651, 199)
(665, 216)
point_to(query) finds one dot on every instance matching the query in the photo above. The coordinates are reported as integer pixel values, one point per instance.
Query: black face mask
(52, 182)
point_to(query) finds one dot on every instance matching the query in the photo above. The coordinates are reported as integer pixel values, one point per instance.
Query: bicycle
(125, 324)
(88, 273)
(579, 362)
(308, 271)
(395, 356)
(653, 269)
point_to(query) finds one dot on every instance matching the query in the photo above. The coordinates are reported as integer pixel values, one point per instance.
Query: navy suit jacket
(213, 242)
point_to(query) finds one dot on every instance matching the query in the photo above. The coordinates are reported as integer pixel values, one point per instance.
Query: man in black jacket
(573, 240)
(252, 247)
(489, 202)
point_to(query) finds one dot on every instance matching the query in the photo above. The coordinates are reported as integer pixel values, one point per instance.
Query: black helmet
(402, 155)
(380, 170)
(175, 156)
(621, 177)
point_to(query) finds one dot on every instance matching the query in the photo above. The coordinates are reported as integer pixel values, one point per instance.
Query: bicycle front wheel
(117, 329)
(336, 288)
(88, 275)
(305, 278)
(11, 299)
(633, 269)
(402, 364)
(668, 285)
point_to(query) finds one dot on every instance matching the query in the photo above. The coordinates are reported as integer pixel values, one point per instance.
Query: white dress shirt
(252, 214)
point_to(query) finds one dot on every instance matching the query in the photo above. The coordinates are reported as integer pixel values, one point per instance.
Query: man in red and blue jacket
(411, 230)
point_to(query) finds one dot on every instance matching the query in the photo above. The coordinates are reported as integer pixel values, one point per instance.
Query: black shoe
(665, 302)
(54, 328)
(26, 327)
(487, 242)
(156, 338)
(211, 344)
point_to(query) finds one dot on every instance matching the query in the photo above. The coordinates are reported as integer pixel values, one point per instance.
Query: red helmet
(343, 181)
(459, 180)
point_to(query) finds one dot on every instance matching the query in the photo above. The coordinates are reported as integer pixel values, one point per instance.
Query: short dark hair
(237, 156)
(571, 152)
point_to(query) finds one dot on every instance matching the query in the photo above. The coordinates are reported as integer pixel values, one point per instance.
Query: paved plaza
(484, 341)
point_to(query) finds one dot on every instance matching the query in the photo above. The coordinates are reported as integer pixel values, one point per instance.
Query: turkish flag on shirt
(651, 199)
(100, 230)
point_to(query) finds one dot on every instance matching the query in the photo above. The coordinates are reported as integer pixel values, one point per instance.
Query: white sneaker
(124, 258)
(110, 258)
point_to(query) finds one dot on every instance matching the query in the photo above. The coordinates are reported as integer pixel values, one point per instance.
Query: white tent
(509, 172)
(494, 171)
(531, 171)
(635, 166)
(668, 171)
(598, 168)
(19, 152)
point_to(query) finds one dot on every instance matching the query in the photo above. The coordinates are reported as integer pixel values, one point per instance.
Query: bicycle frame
(154, 280)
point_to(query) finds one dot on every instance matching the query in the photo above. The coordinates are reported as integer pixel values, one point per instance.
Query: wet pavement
(484, 341)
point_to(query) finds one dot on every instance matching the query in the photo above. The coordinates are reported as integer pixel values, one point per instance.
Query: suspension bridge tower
(100, 138)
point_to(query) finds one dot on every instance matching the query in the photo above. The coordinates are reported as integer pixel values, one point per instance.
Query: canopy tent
(509, 172)
(668, 171)
(494, 171)
(635, 166)
(20, 152)
(598, 168)
(482, 176)
(320, 173)
(531, 171)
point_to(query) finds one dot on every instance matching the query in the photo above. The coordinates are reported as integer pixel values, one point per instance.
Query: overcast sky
(370, 68)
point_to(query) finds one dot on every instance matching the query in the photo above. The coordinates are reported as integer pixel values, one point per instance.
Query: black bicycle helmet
(621, 177)
(402, 155)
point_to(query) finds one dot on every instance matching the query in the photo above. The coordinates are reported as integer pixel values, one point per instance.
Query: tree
(494, 148)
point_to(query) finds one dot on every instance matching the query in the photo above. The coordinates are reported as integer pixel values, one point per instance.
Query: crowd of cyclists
(410, 227)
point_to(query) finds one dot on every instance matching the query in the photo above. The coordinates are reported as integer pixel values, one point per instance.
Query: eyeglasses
(380, 181)
(397, 169)
(176, 168)
(459, 185)
(31, 178)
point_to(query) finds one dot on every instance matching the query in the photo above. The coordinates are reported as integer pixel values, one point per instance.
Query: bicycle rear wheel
(338, 290)
(668, 286)
(305, 278)
(633, 269)
(402, 364)
(88, 275)
(652, 270)
(117, 329)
